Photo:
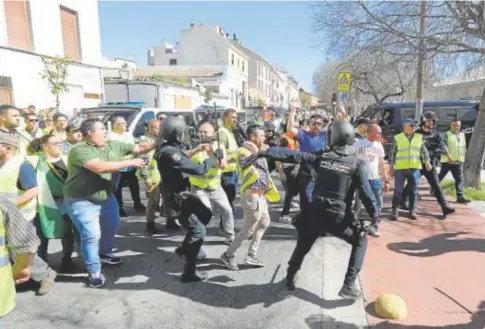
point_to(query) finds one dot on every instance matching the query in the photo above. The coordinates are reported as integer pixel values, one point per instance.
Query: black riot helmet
(340, 133)
(173, 130)
(269, 126)
(429, 115)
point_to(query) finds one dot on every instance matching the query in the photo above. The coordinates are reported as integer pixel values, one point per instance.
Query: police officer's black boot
(172, 225)
(290, 280)
(190, 273)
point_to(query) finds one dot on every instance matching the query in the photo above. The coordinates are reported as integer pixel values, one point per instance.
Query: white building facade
(30, 29)
(207, 45)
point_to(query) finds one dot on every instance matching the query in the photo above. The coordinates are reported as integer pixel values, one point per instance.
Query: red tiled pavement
(438, 271)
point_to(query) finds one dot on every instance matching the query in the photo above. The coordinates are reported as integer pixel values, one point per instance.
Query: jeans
(129, 179)
(97, 223)
(413, 176)
(434, 183)
(457, 172)
(376, 187)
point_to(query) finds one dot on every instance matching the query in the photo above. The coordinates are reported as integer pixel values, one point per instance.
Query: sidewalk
(436, 266)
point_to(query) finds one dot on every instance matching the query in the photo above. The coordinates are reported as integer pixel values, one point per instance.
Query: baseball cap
(9, 139)
(409, 122)
(72, 127)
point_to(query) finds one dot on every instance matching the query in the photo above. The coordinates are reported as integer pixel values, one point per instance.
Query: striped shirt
(20, 233)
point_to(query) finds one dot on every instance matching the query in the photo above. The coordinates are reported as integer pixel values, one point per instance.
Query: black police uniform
(339, 173)
(174, 166)
(435, 146)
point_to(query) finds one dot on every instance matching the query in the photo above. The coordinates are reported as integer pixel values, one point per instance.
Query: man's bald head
(206, 130)
(154, 126)
(373, 132)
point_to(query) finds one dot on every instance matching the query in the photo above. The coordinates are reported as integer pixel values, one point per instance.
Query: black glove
(219, 154)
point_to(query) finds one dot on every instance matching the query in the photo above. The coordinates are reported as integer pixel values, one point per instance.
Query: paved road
(145, 291)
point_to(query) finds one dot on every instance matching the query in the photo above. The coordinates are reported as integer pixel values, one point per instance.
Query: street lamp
(126, 75)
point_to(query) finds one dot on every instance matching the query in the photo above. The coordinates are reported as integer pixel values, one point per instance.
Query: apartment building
(206, 46)
(31, 29)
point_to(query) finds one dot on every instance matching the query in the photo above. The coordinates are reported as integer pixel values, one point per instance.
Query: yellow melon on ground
(390, 306)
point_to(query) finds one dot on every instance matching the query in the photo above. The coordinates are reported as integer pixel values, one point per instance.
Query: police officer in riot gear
(339, 173)
(436, 147)
(174, 165)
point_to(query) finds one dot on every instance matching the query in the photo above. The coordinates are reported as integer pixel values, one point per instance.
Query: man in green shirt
(88, 193)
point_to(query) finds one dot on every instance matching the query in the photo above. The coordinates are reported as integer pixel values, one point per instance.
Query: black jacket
(434, 143)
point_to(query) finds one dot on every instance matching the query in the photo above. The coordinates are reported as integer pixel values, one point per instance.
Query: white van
(137, 117)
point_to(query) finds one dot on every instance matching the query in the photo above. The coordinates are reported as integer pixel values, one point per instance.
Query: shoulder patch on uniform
(176, 157)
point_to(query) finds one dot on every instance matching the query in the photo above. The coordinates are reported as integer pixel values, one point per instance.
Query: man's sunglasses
(33, 120)
(316, 123)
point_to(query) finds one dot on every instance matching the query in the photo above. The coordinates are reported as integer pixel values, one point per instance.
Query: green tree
(261, 103)
(208, 95)
(305, 99)
(56, 72)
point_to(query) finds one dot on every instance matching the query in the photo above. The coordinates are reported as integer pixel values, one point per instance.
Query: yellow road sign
(343, 81)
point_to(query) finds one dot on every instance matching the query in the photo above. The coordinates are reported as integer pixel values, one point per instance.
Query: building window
(17, 16)
(70, 33)
(173, 62)
(6, 91)
(243, 66)
(232, 59)
(238, 63)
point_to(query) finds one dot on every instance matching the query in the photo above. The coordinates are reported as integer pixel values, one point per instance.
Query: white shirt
(371, 153)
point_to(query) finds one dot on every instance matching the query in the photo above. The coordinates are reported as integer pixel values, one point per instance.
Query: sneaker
(290, 282)
(253, 261)
(412, 215)
(110, 259)
(285, 219)
(374, 231)
(96, 280)
(47, 284)
(230, 262)
(229, 240)
(349, 292)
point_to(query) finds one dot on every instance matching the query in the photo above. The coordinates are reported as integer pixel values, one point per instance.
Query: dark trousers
(412, 176)
(67, 241)
(128, 179)
(229, 184)
(434, 183)
(291, 189)
(457, 172)
(194, 217)
(307, 235)
(305, 188)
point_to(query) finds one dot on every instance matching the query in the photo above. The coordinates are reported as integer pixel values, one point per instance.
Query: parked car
(390, 116)
(137, 117)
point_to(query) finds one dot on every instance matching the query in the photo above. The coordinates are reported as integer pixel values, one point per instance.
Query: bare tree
(453, 42)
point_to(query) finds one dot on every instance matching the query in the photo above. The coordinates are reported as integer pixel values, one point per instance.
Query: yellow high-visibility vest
(7, 292)
(456, 147)
(9, 175)
(211, 179)
(408, 153)
(251, 175)
(231, 149)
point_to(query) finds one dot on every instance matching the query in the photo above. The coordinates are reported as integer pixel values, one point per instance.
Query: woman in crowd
(52, 221)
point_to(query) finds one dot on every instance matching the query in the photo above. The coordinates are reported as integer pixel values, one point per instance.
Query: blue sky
(278, 31)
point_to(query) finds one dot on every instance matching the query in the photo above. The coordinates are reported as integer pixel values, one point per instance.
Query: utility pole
(421, 56)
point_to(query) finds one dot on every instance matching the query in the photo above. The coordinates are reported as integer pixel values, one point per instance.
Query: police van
(136, 115)
(390, 116)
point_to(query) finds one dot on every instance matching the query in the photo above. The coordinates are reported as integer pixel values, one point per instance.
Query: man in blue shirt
(310, 141)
